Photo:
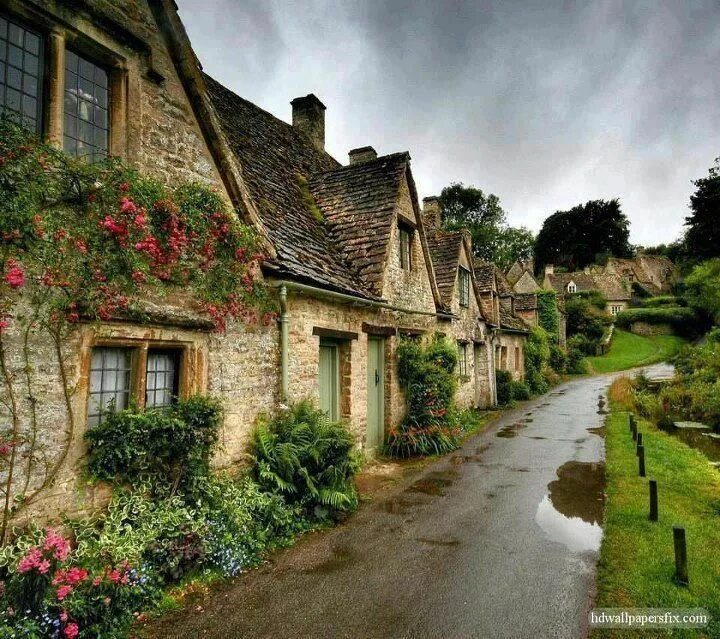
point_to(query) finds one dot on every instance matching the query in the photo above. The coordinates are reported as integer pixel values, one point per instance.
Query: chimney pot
(308, 116)
(432, 215)
(549, 269)
(362, 154)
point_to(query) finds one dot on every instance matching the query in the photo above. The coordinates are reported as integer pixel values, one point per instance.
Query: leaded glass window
(20, 73)
(87, 124)
(109, 382)
(162, 377)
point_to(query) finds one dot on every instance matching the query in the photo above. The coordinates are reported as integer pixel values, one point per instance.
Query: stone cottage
(350, 263)
(614, 288)
(651, 274)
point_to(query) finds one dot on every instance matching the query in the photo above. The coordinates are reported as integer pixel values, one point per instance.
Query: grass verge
(629, 350)
(636, 565)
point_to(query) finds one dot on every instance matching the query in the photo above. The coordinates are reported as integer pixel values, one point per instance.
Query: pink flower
(128, 206)
(4, 324)
(125, 186)
(57, 543)
(14, 276)
(81, 246)
(71, 631)
(30, 561)
(63, 591)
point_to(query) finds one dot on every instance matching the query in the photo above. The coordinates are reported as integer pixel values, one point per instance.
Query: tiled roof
(484, 276)
(525, 301)
(503, 286)
(276, 162)
(611, 286)
(510, 321)
(358, 202)
(445, 253)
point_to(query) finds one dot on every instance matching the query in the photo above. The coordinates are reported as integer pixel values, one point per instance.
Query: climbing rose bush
(81, 240)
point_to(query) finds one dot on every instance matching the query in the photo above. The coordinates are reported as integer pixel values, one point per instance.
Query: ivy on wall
(548, 316)
(86, 242)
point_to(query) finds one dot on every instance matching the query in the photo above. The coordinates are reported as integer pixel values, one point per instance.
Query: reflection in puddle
(511, 430)
(434, 483)
(572, 510)
(708, 446)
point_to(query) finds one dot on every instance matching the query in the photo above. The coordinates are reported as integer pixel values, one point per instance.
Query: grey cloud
(547, 104)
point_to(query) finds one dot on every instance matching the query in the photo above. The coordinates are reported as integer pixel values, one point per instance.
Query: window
(86, 124)
(615, 309)
(405, 248)
(110, 370)
(117, 376)
(572, 288)
(21, 73)
(518, 365)
(504, 358)
(161, 379)
(464, 281)
(462, 359)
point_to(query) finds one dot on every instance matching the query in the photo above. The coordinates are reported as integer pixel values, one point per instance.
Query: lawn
(629, 350)
(636, 565)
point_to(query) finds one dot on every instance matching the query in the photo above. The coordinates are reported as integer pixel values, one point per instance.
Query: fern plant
(309, 459)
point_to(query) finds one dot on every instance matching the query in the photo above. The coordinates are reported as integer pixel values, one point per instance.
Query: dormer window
(464, 285)
(406, 236)
(572, 287)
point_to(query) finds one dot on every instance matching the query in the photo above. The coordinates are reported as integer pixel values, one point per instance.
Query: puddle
(599, 431)
(510, 430)
(571, 512)
(708, 446)
(537, 437)
(439, 542)
(434, 483)
(399, 505)
(341, 558)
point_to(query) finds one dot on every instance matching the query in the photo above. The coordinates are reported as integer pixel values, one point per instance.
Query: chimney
(308, 116)
(549, 269)
(363, 154)
(432, 215)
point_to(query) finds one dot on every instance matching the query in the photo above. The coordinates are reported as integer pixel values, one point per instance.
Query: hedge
(683, 320)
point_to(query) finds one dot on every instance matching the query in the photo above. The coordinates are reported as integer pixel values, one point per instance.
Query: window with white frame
(464, 285)
(161, 377)
(572, 287)
(110, 379)
(615, 309)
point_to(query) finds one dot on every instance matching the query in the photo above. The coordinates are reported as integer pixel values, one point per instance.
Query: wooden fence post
(653, 500)
(681, 567)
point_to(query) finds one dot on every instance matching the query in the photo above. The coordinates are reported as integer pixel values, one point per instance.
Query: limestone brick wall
(530, 317)
(409, 289)
(515, 360)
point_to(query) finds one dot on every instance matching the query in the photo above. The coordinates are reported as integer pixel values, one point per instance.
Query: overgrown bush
(558, 358)
(537, 360)
(427, 375)
(171, 446)
(309, 459)
(576, 364)
(663, 300)
(519, 391)
(682, 320)
(548, 314)
(503, 381)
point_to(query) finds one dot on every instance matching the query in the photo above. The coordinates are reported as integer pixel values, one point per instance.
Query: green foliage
(577, 237)
(702, 289)
(428, 377)
(663, 300)
(703, 234)
(309, 459)
(548, 314)
(503, 381)
(629, 350)
(170, 446)
(682, 320)
(587, 318)
(576, 364)
(519, 391)
(537, 360)
(493, 241)
(558, 358)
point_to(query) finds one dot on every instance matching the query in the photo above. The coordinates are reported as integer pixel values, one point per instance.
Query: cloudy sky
(547, 104)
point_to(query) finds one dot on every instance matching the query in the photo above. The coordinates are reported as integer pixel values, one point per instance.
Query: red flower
(138, 277)
(14, 276)
(125, 186)
(63, 591)
(4, 324)
(128, 206)
(81, 246)
(71, 631)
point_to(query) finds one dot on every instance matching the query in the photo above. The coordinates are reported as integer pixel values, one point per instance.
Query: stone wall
(643, 328)
(511, 354)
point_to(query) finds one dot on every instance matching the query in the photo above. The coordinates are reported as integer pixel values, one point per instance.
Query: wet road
(497, 540)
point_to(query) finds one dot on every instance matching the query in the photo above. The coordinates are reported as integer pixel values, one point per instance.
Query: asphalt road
(497, 540)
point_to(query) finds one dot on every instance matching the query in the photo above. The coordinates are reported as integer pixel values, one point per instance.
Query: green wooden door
(376, 393)
(329, 380)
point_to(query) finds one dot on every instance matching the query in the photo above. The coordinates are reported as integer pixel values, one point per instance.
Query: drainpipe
(284, 339)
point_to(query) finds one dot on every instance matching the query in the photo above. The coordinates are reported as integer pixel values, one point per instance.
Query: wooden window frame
(138, 366)
(406, 252)
(464, 286)
(462, 359)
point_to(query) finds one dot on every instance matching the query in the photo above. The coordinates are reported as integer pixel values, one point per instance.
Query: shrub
(309, 459)
(558, 358)
(519, 391)
(682, 320)
(663, 300)
(537, 360)
(427, 375)
(504, 389)
(172, 446)
(582, 344)
(576, 364)
(548, 315)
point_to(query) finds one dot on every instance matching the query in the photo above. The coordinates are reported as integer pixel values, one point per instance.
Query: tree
(578, 237)
(702, 288)
(493, 241)
(703, 234)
